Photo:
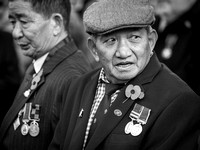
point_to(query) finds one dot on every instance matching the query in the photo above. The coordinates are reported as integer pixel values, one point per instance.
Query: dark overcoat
(173, 123)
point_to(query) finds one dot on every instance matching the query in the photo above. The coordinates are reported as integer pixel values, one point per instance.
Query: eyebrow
(17, 16)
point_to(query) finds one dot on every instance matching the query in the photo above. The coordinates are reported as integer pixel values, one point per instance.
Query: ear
(57, 23)
(153, 36)
(92, 48)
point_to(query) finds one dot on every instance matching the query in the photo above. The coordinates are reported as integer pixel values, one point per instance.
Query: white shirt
(39, 63)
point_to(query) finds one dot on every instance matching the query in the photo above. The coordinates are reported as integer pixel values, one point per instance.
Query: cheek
(144, 54)
(104, 54)
(39, 35)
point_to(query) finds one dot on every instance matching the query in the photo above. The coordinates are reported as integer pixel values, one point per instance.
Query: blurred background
(177, 24)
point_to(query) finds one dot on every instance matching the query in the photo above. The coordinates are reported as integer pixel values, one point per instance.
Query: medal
(139, 115)
(26, 118)
(24, 129)
(136, 130)
(34, 129)
(128, 127)
(34, 126)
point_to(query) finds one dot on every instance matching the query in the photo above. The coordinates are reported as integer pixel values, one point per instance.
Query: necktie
(29, 72)
(27, 79)
(104, 106)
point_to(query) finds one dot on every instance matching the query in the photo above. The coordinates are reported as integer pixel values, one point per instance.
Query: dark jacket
(67, 62)
(172, 125)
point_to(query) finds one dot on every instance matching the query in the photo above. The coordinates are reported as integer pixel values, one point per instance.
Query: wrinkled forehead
(19, 9)
(19, 4)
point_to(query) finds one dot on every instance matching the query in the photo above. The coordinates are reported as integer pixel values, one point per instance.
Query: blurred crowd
(177, 25)
(178, 42)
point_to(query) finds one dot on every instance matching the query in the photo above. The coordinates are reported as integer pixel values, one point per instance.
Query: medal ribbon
(35, 112)
(140, 113)
(27, 110)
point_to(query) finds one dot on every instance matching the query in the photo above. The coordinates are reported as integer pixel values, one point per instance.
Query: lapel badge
(36, 80)
(81, 113)
(27, 93)
(34, 83)
(133, 92)
(118, 112)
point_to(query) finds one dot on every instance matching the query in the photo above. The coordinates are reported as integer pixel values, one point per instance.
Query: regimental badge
(139, 116)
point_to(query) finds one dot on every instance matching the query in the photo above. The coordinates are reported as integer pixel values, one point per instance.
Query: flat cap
(105, 16)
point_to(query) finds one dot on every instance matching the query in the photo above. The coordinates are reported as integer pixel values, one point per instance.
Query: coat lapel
(86, 104)
(112, 119)
(16, 106)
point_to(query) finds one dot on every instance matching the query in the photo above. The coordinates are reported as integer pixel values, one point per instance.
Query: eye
(12, 22)
(110, 41)
(24, 23)
(134, 38)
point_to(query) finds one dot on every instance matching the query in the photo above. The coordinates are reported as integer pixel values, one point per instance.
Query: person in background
(134, 101)
(77, 30)
(178, 42)
(40, 28)
(10, 76)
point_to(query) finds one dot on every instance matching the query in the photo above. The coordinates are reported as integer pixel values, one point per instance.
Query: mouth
(24, 46)
(124, 65)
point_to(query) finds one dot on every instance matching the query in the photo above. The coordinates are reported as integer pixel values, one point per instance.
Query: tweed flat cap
(105, 16)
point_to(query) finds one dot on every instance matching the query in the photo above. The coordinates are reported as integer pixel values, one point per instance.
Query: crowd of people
(99, 75)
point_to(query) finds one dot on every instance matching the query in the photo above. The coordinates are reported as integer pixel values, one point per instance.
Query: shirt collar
(102, 77)
(39, 62)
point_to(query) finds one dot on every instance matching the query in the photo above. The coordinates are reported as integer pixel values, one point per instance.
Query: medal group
(30, 112)
(30, 120)
(139, 115)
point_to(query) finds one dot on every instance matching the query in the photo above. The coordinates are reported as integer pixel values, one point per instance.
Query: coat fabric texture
(66, 63)
(173, 123)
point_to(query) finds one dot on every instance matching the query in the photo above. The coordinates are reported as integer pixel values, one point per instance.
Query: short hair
(48, 7)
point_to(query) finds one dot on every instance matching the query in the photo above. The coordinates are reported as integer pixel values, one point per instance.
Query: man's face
(125, 53)
(31, 31)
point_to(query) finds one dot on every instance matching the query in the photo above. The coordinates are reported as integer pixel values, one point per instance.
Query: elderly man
(40, 28)
(133, 102)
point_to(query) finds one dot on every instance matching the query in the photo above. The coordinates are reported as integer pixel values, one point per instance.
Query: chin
(27, 53)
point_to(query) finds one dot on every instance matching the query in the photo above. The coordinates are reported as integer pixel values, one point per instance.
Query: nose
(123, 49)
(17, 31)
